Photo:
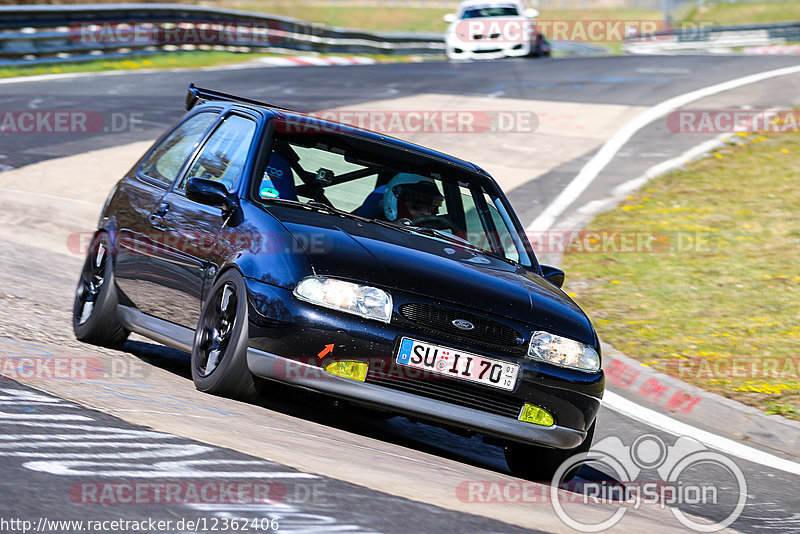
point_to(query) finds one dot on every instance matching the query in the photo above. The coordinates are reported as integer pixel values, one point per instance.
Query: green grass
(707, 314)
(365, 18)
(746, 13)
(613, 47)
(190, 60)
(427, 20)
(155, 61)
(405, 19)
(600, 14)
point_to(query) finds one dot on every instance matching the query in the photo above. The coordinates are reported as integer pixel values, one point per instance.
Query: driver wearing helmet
(411, 196)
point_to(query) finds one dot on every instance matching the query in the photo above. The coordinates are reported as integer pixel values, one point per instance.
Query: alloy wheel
(218, 324)
(92, 280)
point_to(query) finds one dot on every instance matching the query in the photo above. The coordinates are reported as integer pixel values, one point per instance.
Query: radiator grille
(453, 391)
(440, 319)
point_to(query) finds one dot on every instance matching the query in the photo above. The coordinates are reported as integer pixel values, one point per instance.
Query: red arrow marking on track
(325, 351)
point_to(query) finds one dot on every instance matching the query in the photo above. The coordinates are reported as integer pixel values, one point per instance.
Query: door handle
(160, 212)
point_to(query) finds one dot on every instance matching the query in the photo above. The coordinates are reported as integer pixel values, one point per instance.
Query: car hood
(436, 268)
(486, 21)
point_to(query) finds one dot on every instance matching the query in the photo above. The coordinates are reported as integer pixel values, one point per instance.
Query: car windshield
(490, 11)
(373, 181)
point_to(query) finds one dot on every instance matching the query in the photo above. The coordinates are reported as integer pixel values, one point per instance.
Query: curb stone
(684, 402)
(693, 405)
(314, 61)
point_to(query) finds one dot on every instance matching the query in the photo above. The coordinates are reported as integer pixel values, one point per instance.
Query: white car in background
(493, 29)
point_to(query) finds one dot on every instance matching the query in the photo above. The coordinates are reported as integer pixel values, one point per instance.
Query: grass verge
(187, 60)
(745, 13)
(365, 18)
(155, 61)
(717, 302)
(430, 19)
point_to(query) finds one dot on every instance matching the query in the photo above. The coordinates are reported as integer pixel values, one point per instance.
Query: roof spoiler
(195, 94)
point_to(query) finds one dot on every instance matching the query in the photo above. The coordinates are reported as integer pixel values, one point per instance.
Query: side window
(475, 232)
(166, 161)
(507, 239)
(222, 158)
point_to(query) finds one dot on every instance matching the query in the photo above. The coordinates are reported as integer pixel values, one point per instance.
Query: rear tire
(219, 351)
(94, 314)
(541, 463)
(537, 49)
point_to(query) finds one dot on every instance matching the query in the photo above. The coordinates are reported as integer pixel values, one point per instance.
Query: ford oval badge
(463, 324)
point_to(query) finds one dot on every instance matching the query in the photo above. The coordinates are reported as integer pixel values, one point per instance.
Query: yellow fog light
(537, 416)
(348, 369)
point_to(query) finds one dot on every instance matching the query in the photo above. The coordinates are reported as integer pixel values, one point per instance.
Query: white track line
(594, 166)
(579, 184)
(581, 216)
(45, 195)
(664, 167)
(668, 424)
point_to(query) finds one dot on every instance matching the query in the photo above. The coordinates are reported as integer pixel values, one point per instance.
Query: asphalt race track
(329, 468)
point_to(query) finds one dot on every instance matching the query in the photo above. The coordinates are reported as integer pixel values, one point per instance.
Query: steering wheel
(436, 222)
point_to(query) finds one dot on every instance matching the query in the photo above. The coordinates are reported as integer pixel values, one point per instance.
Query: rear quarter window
(166, 161)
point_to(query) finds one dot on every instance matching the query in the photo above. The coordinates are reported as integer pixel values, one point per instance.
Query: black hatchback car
(273, 245)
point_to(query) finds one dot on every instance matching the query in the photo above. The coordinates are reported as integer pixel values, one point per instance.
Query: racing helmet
(409, 185)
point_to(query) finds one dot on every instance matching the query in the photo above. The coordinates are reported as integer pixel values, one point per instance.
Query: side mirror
(209, 192)
(531, 13)
(449, 18)
(553, 275)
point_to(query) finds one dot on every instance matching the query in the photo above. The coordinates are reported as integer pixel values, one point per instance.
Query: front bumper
(287, 335)
(268, 365)
(457, 49)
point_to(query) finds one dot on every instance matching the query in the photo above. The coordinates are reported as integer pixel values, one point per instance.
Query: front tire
(94, 314)
(539, 464)
(537, 50)
(219, 351)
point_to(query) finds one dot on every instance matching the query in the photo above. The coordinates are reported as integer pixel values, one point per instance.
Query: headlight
(366, 301)
(562, 351)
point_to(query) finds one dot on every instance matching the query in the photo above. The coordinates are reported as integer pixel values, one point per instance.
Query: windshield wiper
(431, 232)
(316, 206)
(455, 239)
(330, 209)
(321, 206)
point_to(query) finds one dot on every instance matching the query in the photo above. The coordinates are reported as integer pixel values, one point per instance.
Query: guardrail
(54, 34)
(713, 38)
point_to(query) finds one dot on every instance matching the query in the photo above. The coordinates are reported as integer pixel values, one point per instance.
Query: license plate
(457, 364)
